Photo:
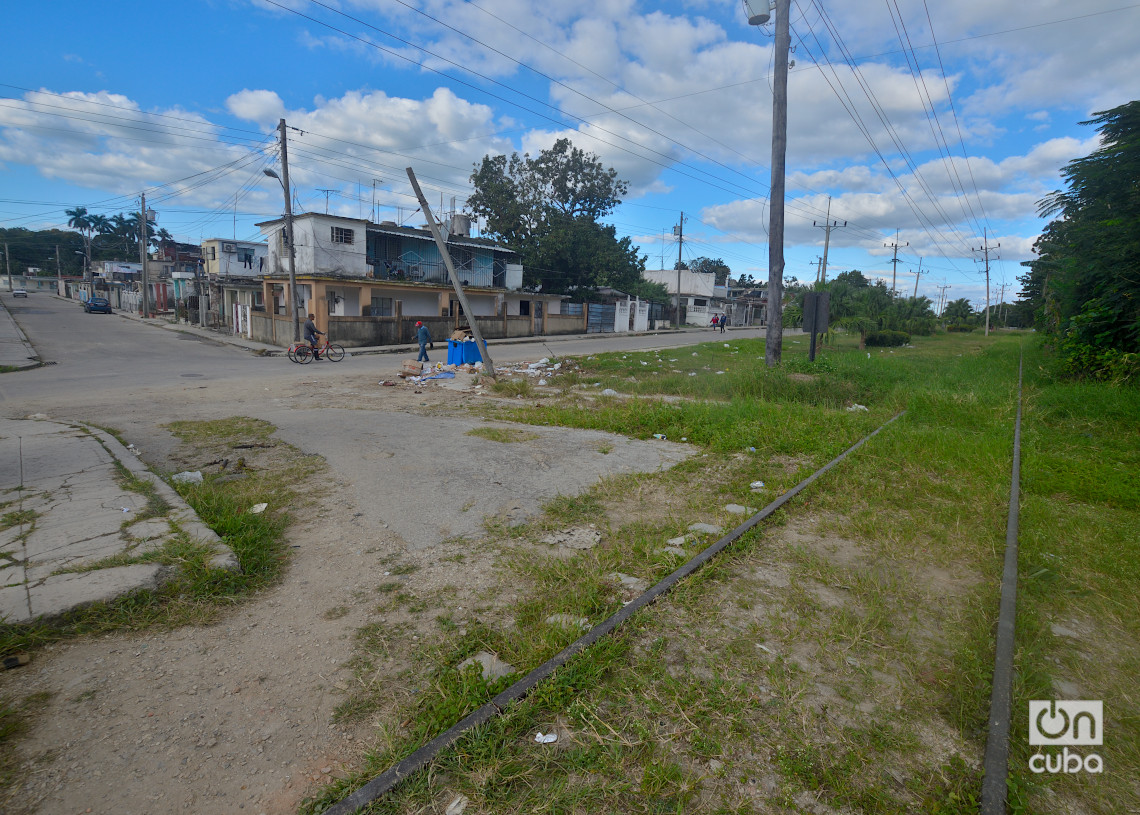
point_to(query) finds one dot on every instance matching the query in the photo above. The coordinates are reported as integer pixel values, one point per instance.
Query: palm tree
(79, 219)
(958, 311)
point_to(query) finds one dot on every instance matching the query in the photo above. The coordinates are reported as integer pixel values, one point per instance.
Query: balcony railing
(419, 271)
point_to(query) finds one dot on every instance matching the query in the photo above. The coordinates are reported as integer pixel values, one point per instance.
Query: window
(341, 235)
(381, 306)
(213, 253)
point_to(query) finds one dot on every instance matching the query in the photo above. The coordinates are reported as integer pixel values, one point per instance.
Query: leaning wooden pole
(488, 365)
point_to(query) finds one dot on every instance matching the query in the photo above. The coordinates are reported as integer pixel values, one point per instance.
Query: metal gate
(601, 318)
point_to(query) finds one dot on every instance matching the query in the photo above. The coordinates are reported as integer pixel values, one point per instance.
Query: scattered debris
(856, 407)
(16, 660)
(568, 621)
(547, 738)
(257, 509)
(460, 803)
(756, 486)
(490, 666)
(659, 436)
(609, 392)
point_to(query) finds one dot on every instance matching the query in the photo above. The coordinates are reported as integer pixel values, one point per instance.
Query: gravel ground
(237, 716)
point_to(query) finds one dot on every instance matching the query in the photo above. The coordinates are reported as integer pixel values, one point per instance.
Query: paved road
(103, 358)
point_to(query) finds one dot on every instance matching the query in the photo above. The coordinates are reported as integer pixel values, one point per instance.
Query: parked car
(100, 304)
(19, 292)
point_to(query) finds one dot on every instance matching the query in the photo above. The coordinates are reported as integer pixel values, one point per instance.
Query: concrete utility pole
(985, 249)
(142, 256)
(8, 265)
(1001, 301)
(827, 226)
(58, 272)
(284, 179)
(942, 298)
(679, 230)
(917, 275)
(895, 261)
(773, 339)
(488, 365)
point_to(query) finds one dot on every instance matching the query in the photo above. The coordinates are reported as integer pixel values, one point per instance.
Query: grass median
(838, 657)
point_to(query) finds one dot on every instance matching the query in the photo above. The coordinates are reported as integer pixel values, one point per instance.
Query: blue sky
(943, 121)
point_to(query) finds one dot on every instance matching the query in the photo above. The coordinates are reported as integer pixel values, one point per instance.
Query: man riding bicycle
(311, 333)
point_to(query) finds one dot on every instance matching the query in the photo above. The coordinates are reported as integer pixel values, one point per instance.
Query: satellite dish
(759, 11)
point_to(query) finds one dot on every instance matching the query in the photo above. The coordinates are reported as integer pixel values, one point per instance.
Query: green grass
(871, 654)
(504, 435)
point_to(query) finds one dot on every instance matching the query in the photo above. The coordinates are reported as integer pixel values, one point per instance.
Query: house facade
(368, 283)
(700, 300)
(234, 269)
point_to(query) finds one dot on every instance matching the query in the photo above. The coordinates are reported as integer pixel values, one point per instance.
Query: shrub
(962, 327)
(887, 339)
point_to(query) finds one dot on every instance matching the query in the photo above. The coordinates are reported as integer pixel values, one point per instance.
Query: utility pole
(58, 273)
(145, 303)
(289, 232)
(917, 275)
(895, 261)
(942, 298)
(985, 249)
(488, 365)
(818, 270)
(8, 265)
(827, 226)
(1001, 301)
(326, 192)
(679, 231)
(774, 337)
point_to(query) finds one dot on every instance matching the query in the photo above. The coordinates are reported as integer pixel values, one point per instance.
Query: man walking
(423, 337)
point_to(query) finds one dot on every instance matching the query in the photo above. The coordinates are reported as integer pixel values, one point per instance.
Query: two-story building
(699, 297)
(368, 283)
(234, 269)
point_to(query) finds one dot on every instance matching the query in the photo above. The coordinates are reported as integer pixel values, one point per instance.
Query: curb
(180, 511)
(33, 358)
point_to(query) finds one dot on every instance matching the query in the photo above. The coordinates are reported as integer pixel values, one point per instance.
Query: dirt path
(238, 716)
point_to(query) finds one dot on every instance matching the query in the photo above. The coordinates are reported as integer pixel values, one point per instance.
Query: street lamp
(758, 14)
(292, 252)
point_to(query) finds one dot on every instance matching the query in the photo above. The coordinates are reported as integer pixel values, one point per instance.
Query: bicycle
(329, 351)
(300, 352)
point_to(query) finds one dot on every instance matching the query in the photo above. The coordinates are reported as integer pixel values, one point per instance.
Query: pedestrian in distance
(723, 320)
(311, 334)
(423, 337)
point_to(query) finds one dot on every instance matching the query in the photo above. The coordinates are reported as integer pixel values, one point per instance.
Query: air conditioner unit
(229, 248)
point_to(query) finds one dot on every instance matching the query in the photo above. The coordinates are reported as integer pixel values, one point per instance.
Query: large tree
(1085, 283)
(547, 208)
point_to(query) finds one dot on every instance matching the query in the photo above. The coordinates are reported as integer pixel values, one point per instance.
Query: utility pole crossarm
(488, 365)
(827, 226)
(985, 250)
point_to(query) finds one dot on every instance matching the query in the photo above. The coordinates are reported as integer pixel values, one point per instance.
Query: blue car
(97, 304)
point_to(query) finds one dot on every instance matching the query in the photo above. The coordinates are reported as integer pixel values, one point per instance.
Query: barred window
(340, 235)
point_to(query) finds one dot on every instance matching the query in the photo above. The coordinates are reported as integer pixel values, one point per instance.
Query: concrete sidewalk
(15, 350)
(65, 512)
